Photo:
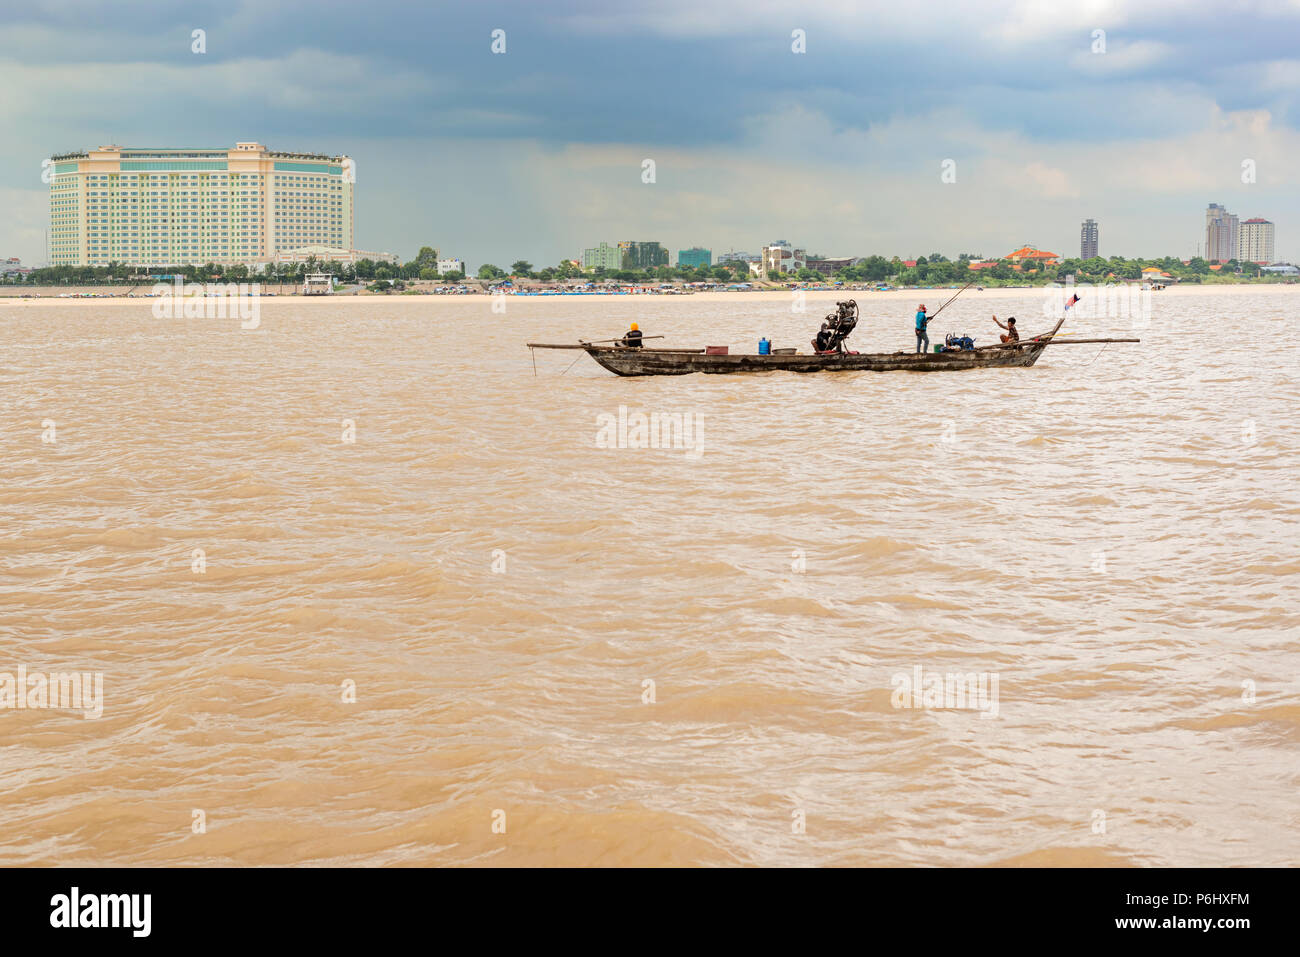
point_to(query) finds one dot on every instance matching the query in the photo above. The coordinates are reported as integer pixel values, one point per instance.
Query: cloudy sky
(538, 152)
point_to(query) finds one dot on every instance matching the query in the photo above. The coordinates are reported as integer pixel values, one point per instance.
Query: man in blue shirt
(922, 337)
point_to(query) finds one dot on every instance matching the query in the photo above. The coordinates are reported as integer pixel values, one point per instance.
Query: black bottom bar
(1166, 908)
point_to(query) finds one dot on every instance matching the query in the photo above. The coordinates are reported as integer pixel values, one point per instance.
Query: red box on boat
(715, 350)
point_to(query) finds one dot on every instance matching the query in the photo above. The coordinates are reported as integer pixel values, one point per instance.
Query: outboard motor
(841, 322)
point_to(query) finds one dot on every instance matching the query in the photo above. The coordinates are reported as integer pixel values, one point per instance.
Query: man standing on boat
(922, 337)
(633, 338)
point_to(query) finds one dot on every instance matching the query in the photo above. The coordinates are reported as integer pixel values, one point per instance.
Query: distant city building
(330, 254)
(193, 206)
(451, 265)
(829, 267)
(603, 255)
(1282, 269)
(639, 255)
(1221, 234)
(317, 284)
(737, 257)
(1088, 239)
(1029, 255)
(695, 257)
(1158, 277)
(780, 256)
(13, 267)
(1255, 242)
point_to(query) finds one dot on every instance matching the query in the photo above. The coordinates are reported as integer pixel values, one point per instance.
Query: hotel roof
(183, 152)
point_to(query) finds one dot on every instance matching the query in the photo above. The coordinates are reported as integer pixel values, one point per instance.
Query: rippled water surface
(1112, 534)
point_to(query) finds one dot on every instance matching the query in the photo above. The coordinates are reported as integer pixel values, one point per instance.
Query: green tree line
(935, 269)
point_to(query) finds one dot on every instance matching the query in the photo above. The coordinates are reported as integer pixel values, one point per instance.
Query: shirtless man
(1012, 335)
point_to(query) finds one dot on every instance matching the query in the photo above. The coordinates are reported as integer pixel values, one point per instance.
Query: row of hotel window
(295, 230)
(191, 204)
(144, 191)
(290, 242)
(251, 194)
(134, 209)
(162, 204)
(335, 237)
(208, 177)
(130, 182)
(128, 233)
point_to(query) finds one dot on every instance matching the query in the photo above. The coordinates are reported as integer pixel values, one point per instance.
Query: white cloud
(862, 199)
(1122, 57)
(27, 214)
(1051, 183)
(1280, 75)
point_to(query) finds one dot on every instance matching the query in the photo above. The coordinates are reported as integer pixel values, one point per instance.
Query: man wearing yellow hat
(922, 337)
(633, 338)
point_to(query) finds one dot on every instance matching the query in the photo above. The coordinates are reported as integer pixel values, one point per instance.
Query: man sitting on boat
(1012, 335)
(633, 338)
(836, 328)
(823, 341)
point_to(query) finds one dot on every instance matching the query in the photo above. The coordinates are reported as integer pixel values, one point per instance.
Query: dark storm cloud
(583, 72)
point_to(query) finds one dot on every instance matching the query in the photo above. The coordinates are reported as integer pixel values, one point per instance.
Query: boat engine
(842, 322)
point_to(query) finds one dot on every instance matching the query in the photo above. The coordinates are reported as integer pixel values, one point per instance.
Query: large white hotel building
(168, 207)
(1255, 242)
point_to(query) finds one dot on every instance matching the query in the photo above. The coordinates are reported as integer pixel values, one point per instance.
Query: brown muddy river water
(362, 589)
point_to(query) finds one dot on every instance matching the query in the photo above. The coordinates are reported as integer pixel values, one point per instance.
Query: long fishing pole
(580, 344)
(954, 296)
(595, 342)
(1043, 340)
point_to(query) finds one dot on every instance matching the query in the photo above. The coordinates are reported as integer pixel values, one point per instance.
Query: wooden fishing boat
(635, 362)
(625, 361)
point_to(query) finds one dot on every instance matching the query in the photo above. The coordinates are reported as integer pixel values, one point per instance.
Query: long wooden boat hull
(637, 362)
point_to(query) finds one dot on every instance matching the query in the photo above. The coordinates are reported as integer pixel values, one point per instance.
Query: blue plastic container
(764, 347)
